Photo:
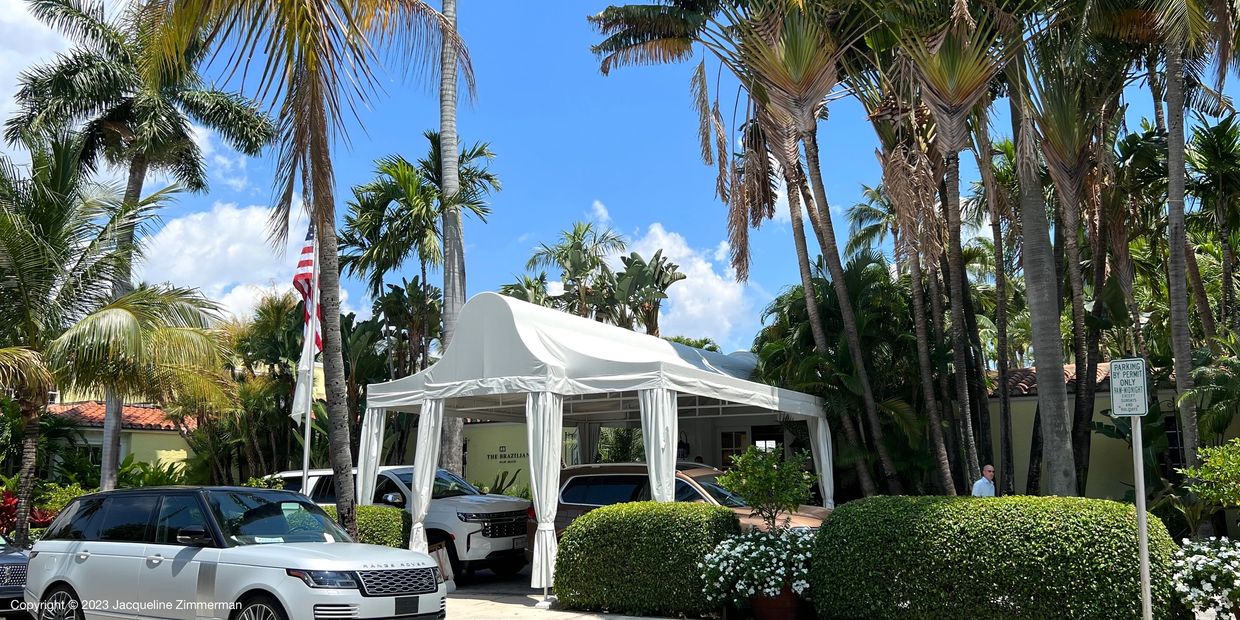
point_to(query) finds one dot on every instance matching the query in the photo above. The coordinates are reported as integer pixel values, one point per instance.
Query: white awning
(503, 346)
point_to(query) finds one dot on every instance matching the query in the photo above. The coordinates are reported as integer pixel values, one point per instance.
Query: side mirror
(394, 499)
(194, 536)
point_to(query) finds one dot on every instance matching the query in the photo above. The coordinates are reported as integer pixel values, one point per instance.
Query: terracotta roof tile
(137, 417)
(1024, 381)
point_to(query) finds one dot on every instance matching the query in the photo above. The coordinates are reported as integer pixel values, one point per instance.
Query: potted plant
(767, 568)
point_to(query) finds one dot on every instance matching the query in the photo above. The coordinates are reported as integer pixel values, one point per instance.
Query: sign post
(1129, 398)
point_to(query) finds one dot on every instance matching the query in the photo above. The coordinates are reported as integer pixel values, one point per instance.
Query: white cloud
(24, 41)
(224, 252)
(722, 250)
(599, 212)
(224, 165)
(709, 301)
(555, 288)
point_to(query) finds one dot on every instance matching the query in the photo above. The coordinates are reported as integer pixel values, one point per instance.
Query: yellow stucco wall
(160, 447)
(495, 447)
(1110, 460)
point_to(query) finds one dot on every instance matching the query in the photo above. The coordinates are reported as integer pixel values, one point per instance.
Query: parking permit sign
(1128, 388)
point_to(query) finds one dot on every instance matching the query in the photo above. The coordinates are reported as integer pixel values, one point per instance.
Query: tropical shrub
(1207, 575)
(758, 563)
(1217, 480)
(770, 484)
(8, 514)
(962, 557)
(641, 558)
(54, 497)
(142, 474)
(380, 525)
(268, 482)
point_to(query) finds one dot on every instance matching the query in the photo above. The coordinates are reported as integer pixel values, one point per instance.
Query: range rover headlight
(325, 578)
(438, 574)
(471, 517)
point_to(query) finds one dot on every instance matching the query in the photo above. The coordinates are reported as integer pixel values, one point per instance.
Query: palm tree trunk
(1125, 274)
(1007, 468)
(323, 202)
(942, 463)
(113, 403)
(1200, 299)
(977, 380)
(863, 468)
(1177, 238)
(848, 317)
(26, 475)
(451, 447)
(1087, 382)
(1228, 311)
(1156, 91)
(1043, 296)
(1070, 216)
(937, 322)
(955, 279)
(803, 267)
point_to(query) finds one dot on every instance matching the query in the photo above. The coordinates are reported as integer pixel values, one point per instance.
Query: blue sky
(571, 145)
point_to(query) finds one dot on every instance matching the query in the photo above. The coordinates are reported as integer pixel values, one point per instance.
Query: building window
(731, 443)
(769, 438)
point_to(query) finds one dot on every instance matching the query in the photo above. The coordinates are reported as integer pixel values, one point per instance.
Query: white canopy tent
(514, 361)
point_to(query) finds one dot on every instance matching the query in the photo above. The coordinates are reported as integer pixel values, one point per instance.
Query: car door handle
(154, 559)
(82, 555)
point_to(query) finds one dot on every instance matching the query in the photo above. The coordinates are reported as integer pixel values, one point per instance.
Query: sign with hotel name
(506, 457)
(1128, 388)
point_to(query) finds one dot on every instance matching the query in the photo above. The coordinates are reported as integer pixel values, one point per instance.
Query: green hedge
(1008, 557)
(640, 558)
(380, 525)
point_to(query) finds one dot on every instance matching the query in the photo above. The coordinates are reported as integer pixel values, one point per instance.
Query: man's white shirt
(983, 488)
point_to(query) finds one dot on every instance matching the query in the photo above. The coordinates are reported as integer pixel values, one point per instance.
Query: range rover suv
(12, 573)
(193, 553)
(482, 531)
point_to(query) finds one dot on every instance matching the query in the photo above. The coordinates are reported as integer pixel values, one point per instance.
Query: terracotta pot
(784, 606)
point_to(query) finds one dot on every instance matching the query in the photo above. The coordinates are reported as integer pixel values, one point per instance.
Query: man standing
(985, 486)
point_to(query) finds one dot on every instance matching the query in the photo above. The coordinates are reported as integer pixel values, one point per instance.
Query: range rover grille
(398, 582)
(13, 575)
(333, 611)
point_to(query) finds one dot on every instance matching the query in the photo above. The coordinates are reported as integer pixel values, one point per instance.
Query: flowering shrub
(1207, 575)
(8, 514)
(758, 563)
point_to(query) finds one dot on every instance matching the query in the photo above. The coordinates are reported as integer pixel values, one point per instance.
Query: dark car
(13, 560)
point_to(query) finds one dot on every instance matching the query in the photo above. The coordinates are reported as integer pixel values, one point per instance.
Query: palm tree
(955, 56)
(319, 64)
(643, 286)
(1214, 161)
(532, 289)
(131, 119)
(580, 255)
(62, 245)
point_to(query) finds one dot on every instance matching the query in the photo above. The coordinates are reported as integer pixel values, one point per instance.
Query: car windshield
(447, 484)
(261, 517)
(721, 495)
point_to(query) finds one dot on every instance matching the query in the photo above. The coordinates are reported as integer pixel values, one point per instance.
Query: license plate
(407, 605)
(518, 542)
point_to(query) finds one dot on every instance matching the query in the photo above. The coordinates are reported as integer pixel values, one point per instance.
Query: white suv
(483, 531)
(190, 553)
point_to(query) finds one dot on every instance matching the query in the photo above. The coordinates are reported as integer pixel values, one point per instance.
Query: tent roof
(504, 348)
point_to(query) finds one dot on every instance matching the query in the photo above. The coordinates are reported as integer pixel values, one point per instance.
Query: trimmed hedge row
(1008, 557)
(380, 525)
(640, 558)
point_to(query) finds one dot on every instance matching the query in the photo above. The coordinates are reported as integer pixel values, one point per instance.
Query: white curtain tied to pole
(660, 433)
(820, 446)
(545, 428)
(425, 464)
(369, 454)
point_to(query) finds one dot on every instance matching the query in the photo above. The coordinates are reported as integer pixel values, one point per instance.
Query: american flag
(306, 281)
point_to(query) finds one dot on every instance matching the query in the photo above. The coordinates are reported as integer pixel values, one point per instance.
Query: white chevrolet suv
(483, 530)
(227, 553)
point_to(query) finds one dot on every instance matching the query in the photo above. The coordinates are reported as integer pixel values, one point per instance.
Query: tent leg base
(546, 603)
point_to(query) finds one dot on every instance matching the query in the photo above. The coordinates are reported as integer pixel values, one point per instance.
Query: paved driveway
(487, 597)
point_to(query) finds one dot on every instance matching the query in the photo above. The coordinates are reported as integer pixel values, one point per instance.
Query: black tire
(458, 570)
(508, 567)
(60, 603)
(260, 607)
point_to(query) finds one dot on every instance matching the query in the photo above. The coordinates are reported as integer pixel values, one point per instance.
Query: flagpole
(307, 418)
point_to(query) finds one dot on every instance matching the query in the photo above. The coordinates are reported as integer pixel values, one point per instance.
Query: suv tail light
(531, 514)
